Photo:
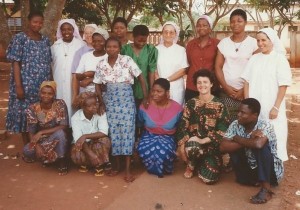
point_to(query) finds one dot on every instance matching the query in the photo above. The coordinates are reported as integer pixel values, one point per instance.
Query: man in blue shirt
(252, 146)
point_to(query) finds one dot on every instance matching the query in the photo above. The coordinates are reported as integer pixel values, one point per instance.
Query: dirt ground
(31, 186)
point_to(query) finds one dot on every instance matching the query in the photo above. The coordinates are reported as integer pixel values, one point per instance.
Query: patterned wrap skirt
(207, 164)
(157, 152)
(53, 147)
(120, 111)
(100, 147)
(232, 106)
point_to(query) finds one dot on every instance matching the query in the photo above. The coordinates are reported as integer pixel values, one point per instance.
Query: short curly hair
(80, 100)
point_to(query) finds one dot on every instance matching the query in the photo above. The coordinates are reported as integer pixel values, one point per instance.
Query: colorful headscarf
(102, 32)
(272, 34)
(71, 22)
(209, 20)
(177, 30)
(94, 26)
(52, 84)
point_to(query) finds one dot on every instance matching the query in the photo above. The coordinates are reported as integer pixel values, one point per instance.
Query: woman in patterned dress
(47, 123)
(30, 55)
(117, 72)
(157, 147)
(201, 129)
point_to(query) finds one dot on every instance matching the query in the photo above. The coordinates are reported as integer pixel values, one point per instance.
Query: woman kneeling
(201, 129)
(91, 143)
(157, 147)
(47, 121)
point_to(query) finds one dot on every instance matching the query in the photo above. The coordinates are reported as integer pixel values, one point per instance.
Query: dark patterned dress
(54, 145)
(35, 59)
(203, 120)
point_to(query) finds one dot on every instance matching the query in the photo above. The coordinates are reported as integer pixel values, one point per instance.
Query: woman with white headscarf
(267, 77)
(172, 61)
(63, 50)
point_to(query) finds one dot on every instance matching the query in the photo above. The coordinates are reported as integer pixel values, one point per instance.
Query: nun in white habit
(267, 76)
(172, 61)
(63, 50)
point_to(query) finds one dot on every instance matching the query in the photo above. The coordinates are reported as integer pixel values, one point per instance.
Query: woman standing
(232, 57)
(47, 124)
(201, 129)
(157, 147)
(88, 62)
(172, 61)
(88, 31)
(201, 53)
(30, 55)
(267, 77)
(119, 29)
(63, 50)
(117, 72)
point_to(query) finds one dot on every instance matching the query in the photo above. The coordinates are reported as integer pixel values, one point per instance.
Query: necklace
(238, 47)
(66, 47)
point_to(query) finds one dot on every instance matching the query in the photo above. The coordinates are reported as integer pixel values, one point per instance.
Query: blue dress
(157, 147)
(35, 59)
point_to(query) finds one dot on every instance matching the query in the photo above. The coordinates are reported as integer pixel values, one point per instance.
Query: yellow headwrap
(49, 83)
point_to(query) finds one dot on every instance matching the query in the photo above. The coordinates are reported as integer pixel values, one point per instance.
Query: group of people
(109, 96)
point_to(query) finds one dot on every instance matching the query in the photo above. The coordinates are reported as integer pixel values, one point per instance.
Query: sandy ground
(31, 186)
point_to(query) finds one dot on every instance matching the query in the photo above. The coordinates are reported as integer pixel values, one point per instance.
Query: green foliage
(83, 11)
(186, 33)
(39, 5)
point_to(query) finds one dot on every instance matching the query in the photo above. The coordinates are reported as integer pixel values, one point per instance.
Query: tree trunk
(4, 37)
(25, 8)
(52, 15)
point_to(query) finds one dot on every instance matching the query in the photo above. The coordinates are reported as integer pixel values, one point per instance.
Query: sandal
(99, 172)
(27, 159)
(83, 169)
(62, 171)
(189, 172)
(108, 170)
(263, 196)
(129, 179)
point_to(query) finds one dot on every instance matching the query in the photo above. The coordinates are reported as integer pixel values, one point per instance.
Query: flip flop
(62, 171)
(99, 172)
(83, 169)
(129, 179)
(27, 159)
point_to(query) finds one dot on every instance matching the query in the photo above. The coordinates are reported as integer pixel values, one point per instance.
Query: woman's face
(67, 31)
(36, 23)
(98, 42)
(168, 33)
(140, 41)
(204, 85)
(237, 24)
(112, 48)
(203, 28)
(88, 31)
(90, 106)
(120, 30)
(264, 43)
(47, 95)
(158, 93)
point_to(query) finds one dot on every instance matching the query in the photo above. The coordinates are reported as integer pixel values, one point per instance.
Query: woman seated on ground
(157, 147)
(47, 121)
(201, 129)
(91, 143)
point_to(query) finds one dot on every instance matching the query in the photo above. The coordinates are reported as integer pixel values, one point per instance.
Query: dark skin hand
(18, 80)
(102, 108)
(81, 143)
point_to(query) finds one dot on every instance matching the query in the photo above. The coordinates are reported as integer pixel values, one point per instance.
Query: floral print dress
(35, 60)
